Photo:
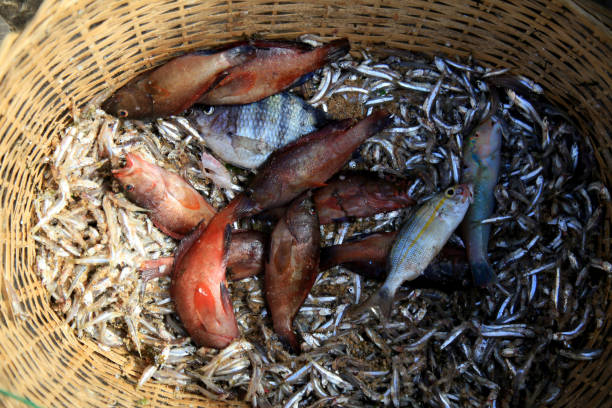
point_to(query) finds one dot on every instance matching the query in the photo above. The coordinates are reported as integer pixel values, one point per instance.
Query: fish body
(175, 206)
(368, 257)
(419, 241)
(292, 266)
(174, 86)
(359, 195)
(245, 135)
(277, 65)
(198, 287)
(482, 160)
(246, 254)
(310, 161)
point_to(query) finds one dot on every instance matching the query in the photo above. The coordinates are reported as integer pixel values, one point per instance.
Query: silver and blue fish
(419, 241)
(245, 135)
(481, 158)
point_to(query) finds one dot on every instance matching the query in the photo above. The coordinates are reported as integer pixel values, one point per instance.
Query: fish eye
(450, 192)
(129, 187)
(122, 113)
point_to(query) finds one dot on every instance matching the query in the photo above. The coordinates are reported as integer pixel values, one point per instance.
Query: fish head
(213, 307)
(460, 193)
(141, 180)
(129, 103)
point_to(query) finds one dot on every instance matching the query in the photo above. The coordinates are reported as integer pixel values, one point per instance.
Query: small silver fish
(419, 241)
(245, 135)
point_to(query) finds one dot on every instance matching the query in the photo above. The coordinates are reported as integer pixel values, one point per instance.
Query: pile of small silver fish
(510, 345)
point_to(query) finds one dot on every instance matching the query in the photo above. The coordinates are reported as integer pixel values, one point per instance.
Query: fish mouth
(127, 169)
(467, 192)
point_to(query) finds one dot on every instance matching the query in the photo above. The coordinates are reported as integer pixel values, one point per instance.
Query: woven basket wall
(74, 50)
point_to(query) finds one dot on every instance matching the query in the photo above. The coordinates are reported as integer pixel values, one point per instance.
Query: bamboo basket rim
(34, 106)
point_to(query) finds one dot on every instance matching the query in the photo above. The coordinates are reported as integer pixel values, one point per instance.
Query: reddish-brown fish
(359, 195)
(198, 288)
(246, 254)
(292, 266)
(245, 258)
(174, 86)
(276, 66)
(310, 161)
(176, 207)
(368, 257)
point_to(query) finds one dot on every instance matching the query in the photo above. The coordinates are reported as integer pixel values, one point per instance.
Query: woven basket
(74, 50)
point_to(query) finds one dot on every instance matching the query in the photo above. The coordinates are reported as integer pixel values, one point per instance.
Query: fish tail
(382, 299)
(288, 338)
(483, 274)
(336, 49)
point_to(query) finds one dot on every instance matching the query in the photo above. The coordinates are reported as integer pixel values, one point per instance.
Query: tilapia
(176, 85)
(481, 157)
(420, 239)
(277, 66)
(292, 266)
(175, 206)
(245, 135)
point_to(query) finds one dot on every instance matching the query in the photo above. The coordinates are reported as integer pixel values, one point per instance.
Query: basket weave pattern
(79, 49)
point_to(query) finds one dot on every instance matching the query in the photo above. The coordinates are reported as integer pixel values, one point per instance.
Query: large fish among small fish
(481, 157)
(198, 288)
(292, 266)
(175, 206)
(277, 66)
(368, 257)
(245, 135)
(420, 239)
(310, 161)
(359, 194)
(174, 86)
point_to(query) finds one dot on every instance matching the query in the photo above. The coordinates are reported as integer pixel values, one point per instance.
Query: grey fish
(245, 135)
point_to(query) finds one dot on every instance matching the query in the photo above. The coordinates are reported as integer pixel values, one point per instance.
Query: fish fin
(301, 80)
(226, 300)
(382, 299)
(483, 274)
(227, 240)
(152, 268)
(336, 49)
(288, 338)
(167, 231)
(185, 244)
(233, 84)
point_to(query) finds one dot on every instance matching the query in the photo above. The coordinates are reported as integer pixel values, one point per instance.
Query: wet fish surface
(419, 241)
(175, 206)
(482, 160)
(245, 135)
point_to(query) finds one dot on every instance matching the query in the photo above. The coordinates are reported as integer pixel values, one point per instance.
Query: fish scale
(245, 135)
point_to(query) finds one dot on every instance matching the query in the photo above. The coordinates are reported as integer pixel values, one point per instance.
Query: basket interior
(75, 51)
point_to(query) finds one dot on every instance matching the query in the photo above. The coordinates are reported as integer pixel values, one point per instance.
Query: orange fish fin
(186, 195)
(236, 83)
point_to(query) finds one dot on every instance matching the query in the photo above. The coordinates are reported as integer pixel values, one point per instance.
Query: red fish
(245, 258)
(310, 161)
(359, 195)
(198, 288)
(176, 207)
(174, 86)
(276, 66)
(292, 266)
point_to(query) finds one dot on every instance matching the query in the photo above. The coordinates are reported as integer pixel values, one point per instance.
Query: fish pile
(477, 203)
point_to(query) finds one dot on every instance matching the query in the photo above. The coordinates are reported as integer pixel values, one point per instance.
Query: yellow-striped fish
(419, 241)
